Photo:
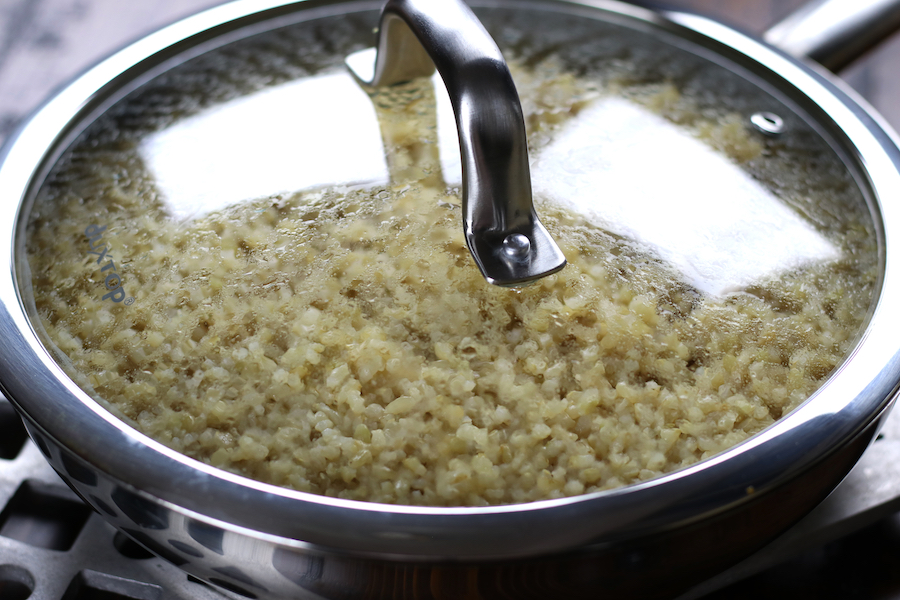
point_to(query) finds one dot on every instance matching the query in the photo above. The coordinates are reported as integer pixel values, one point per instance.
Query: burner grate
(53, 547)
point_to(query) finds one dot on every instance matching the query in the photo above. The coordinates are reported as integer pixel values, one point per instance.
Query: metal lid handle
(504, 234)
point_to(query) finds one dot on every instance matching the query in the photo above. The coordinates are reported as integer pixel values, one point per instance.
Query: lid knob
(503, 232)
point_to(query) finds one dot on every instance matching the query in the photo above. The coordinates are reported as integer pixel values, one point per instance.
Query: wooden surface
(44, 43)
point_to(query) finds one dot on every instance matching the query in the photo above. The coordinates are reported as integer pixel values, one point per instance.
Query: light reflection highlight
(301, 135)
(625, 168)
(637, 175)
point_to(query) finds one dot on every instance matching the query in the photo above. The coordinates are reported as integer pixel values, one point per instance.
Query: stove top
(53, 547)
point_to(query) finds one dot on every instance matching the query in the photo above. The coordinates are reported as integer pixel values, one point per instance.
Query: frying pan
(651, 539)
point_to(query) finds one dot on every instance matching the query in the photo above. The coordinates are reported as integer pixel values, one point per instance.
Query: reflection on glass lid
(637, 175)
(256, 146)
(621, 165)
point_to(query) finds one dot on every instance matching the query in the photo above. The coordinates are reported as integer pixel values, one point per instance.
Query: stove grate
(53, 547)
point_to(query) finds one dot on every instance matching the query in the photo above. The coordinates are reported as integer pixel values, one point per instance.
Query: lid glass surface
(260, 265)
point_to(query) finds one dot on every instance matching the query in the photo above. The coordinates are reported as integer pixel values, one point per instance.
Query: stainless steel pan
(651, 539)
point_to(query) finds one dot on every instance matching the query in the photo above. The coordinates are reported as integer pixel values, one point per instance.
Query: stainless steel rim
(29, 376)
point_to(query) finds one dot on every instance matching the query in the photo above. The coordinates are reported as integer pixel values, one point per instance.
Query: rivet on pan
(768, 123)
(516, 245)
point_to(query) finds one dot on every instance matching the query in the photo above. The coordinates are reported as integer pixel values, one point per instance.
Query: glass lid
(261, 264)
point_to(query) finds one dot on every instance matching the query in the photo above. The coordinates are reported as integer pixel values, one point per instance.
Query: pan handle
(834, 33)
(504, 234)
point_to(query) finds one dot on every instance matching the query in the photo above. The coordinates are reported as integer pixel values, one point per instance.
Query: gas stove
(53, 547)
